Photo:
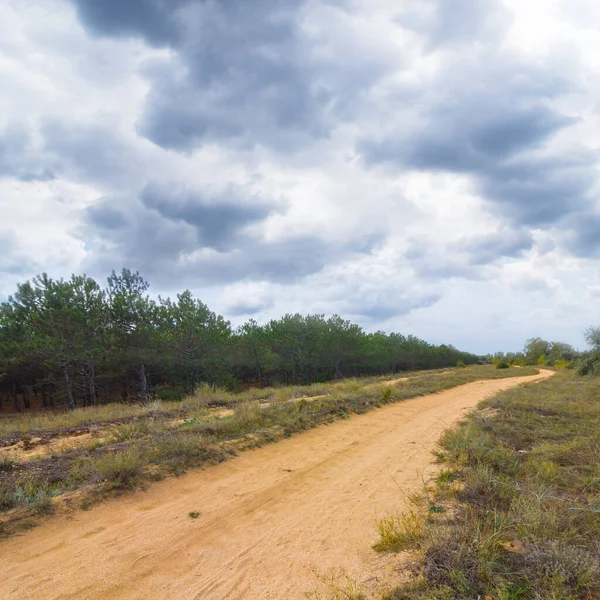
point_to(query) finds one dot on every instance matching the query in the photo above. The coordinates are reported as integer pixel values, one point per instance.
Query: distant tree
(253, 353)
(83, 342)
(196, 338)
(534, 349)
(132, 324)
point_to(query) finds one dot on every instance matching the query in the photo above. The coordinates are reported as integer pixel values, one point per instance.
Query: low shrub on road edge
(522, 518)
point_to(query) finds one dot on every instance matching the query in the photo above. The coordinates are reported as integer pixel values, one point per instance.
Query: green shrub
(121, 469)
(502, 365)
(248, 415)
(7, 497)
(170, 395)
(588, 365)
(6, 464)
(399, 533)
(564, 566)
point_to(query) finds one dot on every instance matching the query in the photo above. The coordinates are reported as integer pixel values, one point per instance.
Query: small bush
(121, 469)
(502, 365)
(6, 464)
(249, 415)
(170, 395)
(589, 365)
(7, 497)
(399, 533)
(42, 504)
(564, 565)
(460, 364)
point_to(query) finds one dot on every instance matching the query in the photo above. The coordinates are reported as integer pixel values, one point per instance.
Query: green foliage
(77, 343)
(589, 363)
(170, 395)
(502, 365)
(122, 469)
(249, 415)
(398, 533)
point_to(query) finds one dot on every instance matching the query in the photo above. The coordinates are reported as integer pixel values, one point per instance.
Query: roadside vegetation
(76, 458)
(73, 343)
(515, 511)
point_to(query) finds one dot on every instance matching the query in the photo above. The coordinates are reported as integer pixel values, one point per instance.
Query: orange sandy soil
(275, 523)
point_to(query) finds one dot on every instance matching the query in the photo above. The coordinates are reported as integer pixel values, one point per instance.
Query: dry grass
(399, 533)
(525, 510)
(147, 443)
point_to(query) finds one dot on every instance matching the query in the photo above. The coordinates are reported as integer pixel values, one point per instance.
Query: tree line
(75, 343)
(538, 351)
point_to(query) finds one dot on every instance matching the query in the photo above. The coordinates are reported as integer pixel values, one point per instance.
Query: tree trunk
(16, 403)
(194, 381)
(92, 384)
(143, 384)
(44, 397)
(26, 402)
(69, 389)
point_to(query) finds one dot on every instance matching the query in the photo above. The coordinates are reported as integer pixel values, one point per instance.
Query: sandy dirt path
(273, 522)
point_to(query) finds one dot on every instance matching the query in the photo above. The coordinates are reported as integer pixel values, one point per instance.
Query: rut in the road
(273, 521)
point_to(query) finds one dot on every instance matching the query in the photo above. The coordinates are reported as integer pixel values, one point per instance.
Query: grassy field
(515, 512)
(79, 457)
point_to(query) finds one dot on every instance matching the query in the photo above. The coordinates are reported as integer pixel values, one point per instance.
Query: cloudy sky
(423, 166)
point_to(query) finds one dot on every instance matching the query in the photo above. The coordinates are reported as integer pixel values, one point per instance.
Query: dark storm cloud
(241, 309)
(153, 20)
(216, 220)
(432, 263)
(463, 259)
(540, 192)
(493, 121)
(385, 304)
(583, 234)
(474, 135)
(241, 72)
(19, 158)
(92, 153)
(105, 216)
(485, 249)
(185, 239)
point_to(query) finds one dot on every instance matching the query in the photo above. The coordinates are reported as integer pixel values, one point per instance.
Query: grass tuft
(398, 533)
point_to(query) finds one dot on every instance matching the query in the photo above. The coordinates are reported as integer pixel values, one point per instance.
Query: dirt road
(274, 522)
